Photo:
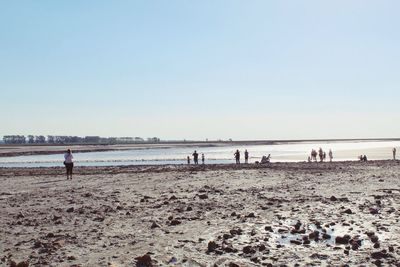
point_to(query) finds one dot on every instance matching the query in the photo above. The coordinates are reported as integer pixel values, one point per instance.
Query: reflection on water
(214, 155)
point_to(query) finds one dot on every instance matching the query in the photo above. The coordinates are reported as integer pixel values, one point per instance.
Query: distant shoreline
(11, 150)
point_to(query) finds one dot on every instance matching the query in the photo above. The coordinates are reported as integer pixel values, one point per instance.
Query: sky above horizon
(201, 69)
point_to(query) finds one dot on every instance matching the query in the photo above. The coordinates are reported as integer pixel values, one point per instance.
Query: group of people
(69, 164)
(196, 158)
(321, 154)
(364, 158)
(264, 159)
(237, 155)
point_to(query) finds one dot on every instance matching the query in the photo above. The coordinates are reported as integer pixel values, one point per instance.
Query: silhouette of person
(237, 156)
(202, 158)
(330, 155)
(246, 156)
(321, 154)
(314, 155)
(68, 162)
(394, 153)
(188, 160)
(196, 157)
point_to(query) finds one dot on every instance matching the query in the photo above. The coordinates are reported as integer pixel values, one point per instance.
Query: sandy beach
(294, 214)
(199, 133)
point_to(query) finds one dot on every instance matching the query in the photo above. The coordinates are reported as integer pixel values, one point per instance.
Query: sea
(214, 154)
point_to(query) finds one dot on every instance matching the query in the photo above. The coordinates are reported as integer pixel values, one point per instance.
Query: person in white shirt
(68, 162)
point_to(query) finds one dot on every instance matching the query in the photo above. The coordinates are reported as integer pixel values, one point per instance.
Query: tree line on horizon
(60, 139)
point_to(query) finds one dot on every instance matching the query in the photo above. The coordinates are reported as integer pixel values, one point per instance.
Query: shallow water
(285, 152)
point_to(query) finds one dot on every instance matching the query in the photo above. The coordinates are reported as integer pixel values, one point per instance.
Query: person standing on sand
(246, 156)
(68, 162)
(394, 153)
(321, 154)
(314, 155)
(330, 155)
(188, 160)
(202, 158)
(195, 157)
(237, 156)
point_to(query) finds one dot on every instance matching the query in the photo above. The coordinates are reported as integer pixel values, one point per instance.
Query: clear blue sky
(201, 69)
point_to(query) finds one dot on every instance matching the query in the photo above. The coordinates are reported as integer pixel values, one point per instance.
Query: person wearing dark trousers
(196, 157)
(68, 162)
(246, 156)
(237, 156)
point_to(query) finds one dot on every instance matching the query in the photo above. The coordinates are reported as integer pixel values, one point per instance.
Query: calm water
(214, 155)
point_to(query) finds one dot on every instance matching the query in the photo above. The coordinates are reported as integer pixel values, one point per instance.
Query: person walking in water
(195, 158)
(68, 162)
(330, 155)
(246, 156)
(203, 159)
(237, 156)
(394, 153)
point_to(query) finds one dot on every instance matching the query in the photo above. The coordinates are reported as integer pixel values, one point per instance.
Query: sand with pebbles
(221, 215)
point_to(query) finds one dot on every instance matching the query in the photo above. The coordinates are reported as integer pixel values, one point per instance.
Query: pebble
(211, 246)
(249, 250)
(344, 240)
(203, 196)
(154, 225)
(144, 261)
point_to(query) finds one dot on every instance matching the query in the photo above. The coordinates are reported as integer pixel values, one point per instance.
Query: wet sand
(218, 215)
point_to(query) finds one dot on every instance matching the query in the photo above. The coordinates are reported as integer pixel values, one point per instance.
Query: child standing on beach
(188, 160)
(394, 153)
(68, 162)
(202, 158)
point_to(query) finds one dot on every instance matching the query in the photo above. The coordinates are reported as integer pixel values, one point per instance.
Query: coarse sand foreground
(218, 215)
